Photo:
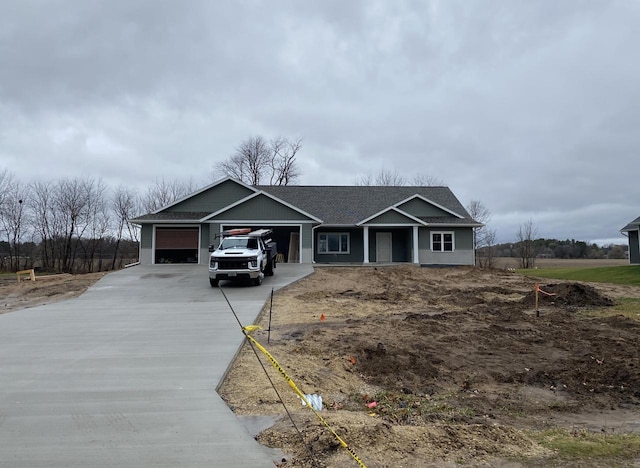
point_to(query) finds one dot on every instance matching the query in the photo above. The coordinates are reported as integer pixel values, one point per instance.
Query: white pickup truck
(242, 255)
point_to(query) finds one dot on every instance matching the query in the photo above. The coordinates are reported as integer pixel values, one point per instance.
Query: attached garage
(176, 244)
(287, 238)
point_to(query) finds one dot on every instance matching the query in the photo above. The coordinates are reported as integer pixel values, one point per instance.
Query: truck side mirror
(212, 248)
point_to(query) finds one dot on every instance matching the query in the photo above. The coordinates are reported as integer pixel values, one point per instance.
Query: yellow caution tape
(247, 332)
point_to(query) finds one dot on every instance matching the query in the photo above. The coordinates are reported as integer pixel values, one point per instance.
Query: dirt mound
(569, 295)
(420, 364)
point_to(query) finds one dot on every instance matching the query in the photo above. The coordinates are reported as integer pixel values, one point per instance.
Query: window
(333, 242)
(442, 241)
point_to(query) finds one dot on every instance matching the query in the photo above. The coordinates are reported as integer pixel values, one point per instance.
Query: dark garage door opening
(177, 245)
(287, 239)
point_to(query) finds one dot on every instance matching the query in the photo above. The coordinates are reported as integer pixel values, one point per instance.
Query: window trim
(329, 252)
(442, 242)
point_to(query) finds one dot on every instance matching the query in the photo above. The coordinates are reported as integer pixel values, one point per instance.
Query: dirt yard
(426, 367)
(437, 367)
(46, 289)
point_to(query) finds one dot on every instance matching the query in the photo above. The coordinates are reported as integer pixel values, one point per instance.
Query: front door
(383, 247)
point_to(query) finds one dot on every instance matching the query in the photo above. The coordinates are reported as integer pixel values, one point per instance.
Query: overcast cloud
(530, 107)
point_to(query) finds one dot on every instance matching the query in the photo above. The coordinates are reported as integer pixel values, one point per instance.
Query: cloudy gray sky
(530, 107)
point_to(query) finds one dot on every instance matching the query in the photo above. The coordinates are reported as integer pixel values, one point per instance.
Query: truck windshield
(231, 243)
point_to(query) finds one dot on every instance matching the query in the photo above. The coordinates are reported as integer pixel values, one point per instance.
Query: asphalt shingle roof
(346, 205)
(632, 226)
(342, 205)
(171, 216)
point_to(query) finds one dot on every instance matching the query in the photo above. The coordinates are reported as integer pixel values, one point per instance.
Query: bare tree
(478, 211)
(384, 177)
(72, 202)
(426, 180)
(256, 161)
(44, 222)
(6, 180)
(392, 178)
(98, 224)
(72, 222)
(524, 244)
(483, 237)
(283, 161)
(164, 192)
(486, 253)
(13, 220)
(124, 206)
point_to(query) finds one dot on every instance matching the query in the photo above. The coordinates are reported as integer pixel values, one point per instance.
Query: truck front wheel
(213, 282)
(257, 281)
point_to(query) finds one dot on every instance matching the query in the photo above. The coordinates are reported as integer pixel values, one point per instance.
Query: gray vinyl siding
(458, 257)
(462, 254)
(262, 208)
(391, 217)
(146, 244)
(307, 236)
(418, 207)
(634, 248)
(356, 250)
(214, 230)
(203, 255)
(464, 238)
(213, 199)
(146, 236)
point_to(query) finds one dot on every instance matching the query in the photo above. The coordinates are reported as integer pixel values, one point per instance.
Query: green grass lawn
(629, 274)
(589, 446)
(625, 275)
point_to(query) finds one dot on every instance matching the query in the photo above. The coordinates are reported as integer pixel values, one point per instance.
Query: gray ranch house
(316, 224)
(631, 231)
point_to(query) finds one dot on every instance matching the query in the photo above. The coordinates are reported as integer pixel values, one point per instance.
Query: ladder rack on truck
(242, 254)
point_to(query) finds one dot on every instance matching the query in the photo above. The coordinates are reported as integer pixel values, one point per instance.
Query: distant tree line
(555, 248)
(74, 225)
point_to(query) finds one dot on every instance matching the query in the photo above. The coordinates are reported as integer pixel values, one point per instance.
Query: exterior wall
(213, 199)
(462, 254)
(214, 230)
(307, 243)
(401, 243)
(203, 254)
(262, 208)
(146, 244)
(458, 257)
(391, 217)
(634, 248)
(356, 251)
(418, 207)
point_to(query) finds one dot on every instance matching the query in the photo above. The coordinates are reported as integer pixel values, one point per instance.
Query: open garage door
(287, 239)
(177, 245)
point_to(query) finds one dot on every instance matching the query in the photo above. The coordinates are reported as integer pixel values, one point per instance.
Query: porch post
(416, 256)
(365, 233)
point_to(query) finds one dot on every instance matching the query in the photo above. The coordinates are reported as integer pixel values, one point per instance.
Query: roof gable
(391, 215)
(211, 198)
(418, 205)
(262, 206)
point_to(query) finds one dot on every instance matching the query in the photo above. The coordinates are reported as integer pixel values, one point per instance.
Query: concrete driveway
(125, 375)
